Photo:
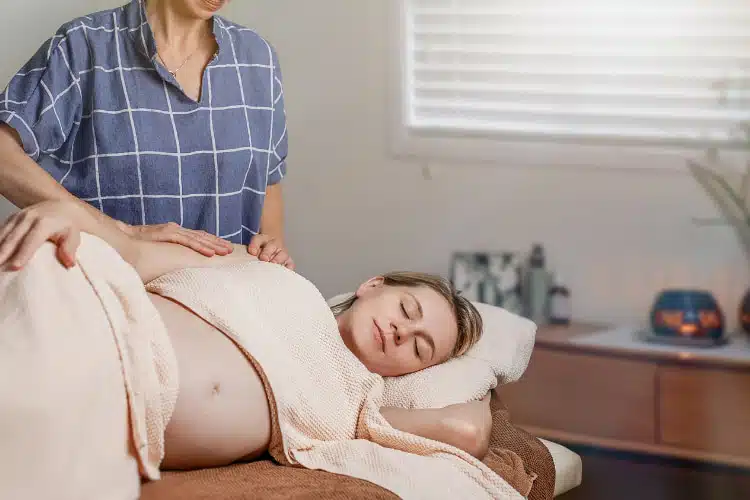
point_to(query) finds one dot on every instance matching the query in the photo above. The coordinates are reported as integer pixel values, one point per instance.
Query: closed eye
(403, 310)
(416, 348)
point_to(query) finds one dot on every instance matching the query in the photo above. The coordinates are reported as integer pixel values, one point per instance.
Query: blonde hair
(468, 319)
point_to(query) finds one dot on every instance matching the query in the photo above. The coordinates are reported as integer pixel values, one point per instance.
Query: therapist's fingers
(193, 243)
(199, 241)
(283, 259)
(219, 245)
(8, 226)
(257, 243)
(67, 245)
(208, 242)
(10, 243)
(173, 233)
(5, 231)
(38, 233)
(280, 257)
(269, 251)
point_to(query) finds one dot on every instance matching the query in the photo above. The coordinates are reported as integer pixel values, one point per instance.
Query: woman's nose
(401, 332)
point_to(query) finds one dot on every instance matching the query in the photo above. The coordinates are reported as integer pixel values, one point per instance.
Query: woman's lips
(378, 333)
(213, 5)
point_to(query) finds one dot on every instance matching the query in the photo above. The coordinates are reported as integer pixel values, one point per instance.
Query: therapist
(162, 118)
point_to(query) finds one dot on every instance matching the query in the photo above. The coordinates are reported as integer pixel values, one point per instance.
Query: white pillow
(501, 356)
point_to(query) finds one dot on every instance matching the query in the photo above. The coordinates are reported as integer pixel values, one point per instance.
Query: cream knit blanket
(88, 378)
(327, 403)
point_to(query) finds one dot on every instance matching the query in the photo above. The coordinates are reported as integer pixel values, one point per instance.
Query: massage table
(559, 471)
(568, 467)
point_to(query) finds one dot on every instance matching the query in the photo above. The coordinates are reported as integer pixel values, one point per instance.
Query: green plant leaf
(718, 187)
(745, 129)
(725, 200)
(745, 188)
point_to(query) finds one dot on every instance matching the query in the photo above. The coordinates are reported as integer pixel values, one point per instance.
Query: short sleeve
(277, 167)
(42, 102)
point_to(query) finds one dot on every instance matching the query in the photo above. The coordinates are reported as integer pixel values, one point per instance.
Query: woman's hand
(199, 241)
(472, 422)
(270, 249)
(25, 231)
(467, 426)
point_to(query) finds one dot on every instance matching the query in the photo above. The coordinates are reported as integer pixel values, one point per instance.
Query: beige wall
(353, 210)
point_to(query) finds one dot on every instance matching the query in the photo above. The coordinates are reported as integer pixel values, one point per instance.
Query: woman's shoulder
(76, 28)
(248, 40)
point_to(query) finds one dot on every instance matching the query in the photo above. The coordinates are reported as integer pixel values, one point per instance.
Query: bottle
(509, 283)
(559, 302)
(537, 286)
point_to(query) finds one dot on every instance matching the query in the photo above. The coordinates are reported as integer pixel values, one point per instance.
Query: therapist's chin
(211, 6)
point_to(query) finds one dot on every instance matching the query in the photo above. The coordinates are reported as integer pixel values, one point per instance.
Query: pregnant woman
(395, 324)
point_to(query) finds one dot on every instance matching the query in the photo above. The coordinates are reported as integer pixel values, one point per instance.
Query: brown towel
(513, 451)
(510, 443)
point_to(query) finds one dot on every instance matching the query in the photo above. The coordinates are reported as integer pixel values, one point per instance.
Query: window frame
(516, 149)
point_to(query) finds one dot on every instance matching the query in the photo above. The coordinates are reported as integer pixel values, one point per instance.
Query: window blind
(642, 70)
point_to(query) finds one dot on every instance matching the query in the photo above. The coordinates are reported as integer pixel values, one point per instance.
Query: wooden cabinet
(633, 401)
(585, 394)
(706, 410)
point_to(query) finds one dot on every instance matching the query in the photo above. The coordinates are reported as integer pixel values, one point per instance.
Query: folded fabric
(501, 356)
(325, 403)
(88, 379)
(267, 480)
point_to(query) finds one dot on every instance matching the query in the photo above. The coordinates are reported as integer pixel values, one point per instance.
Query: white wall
(34, 21)
(353, 210)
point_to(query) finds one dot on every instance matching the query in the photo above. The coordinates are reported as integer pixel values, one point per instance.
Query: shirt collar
(136, 22)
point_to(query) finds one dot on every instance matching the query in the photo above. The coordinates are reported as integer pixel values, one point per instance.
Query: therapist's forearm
(150, 259)
(24, 183)
(272, 217)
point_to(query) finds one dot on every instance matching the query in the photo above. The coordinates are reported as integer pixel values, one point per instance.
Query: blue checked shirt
(97, 112)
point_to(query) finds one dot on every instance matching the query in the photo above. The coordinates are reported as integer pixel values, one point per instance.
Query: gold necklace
(174, 73)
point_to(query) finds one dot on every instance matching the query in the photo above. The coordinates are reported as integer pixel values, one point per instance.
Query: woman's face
(398, 330)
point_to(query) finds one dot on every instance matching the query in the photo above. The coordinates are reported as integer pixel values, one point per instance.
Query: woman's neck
(174, 28)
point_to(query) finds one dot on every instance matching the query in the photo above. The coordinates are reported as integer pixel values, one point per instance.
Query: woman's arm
(150, 259)
(466, 426)
(268, 245)
(62, 222)
(24, 183)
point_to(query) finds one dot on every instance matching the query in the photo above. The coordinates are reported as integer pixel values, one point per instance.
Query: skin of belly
(222, 414)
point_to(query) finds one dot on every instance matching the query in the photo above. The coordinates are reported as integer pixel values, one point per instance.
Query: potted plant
(729, 188)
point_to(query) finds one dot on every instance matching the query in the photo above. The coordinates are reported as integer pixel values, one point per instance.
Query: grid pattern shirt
(97, 111)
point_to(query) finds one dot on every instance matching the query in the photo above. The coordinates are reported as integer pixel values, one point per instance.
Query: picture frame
(468, 272)
(493, 278)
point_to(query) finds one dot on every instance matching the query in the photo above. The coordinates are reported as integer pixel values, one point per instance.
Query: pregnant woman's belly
(222, 413)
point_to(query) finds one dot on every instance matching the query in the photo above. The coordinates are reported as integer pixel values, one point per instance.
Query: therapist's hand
(25, 231)
(270, 249)
(200, 241)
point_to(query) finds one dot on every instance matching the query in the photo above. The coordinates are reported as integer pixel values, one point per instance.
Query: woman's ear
(369, 285)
